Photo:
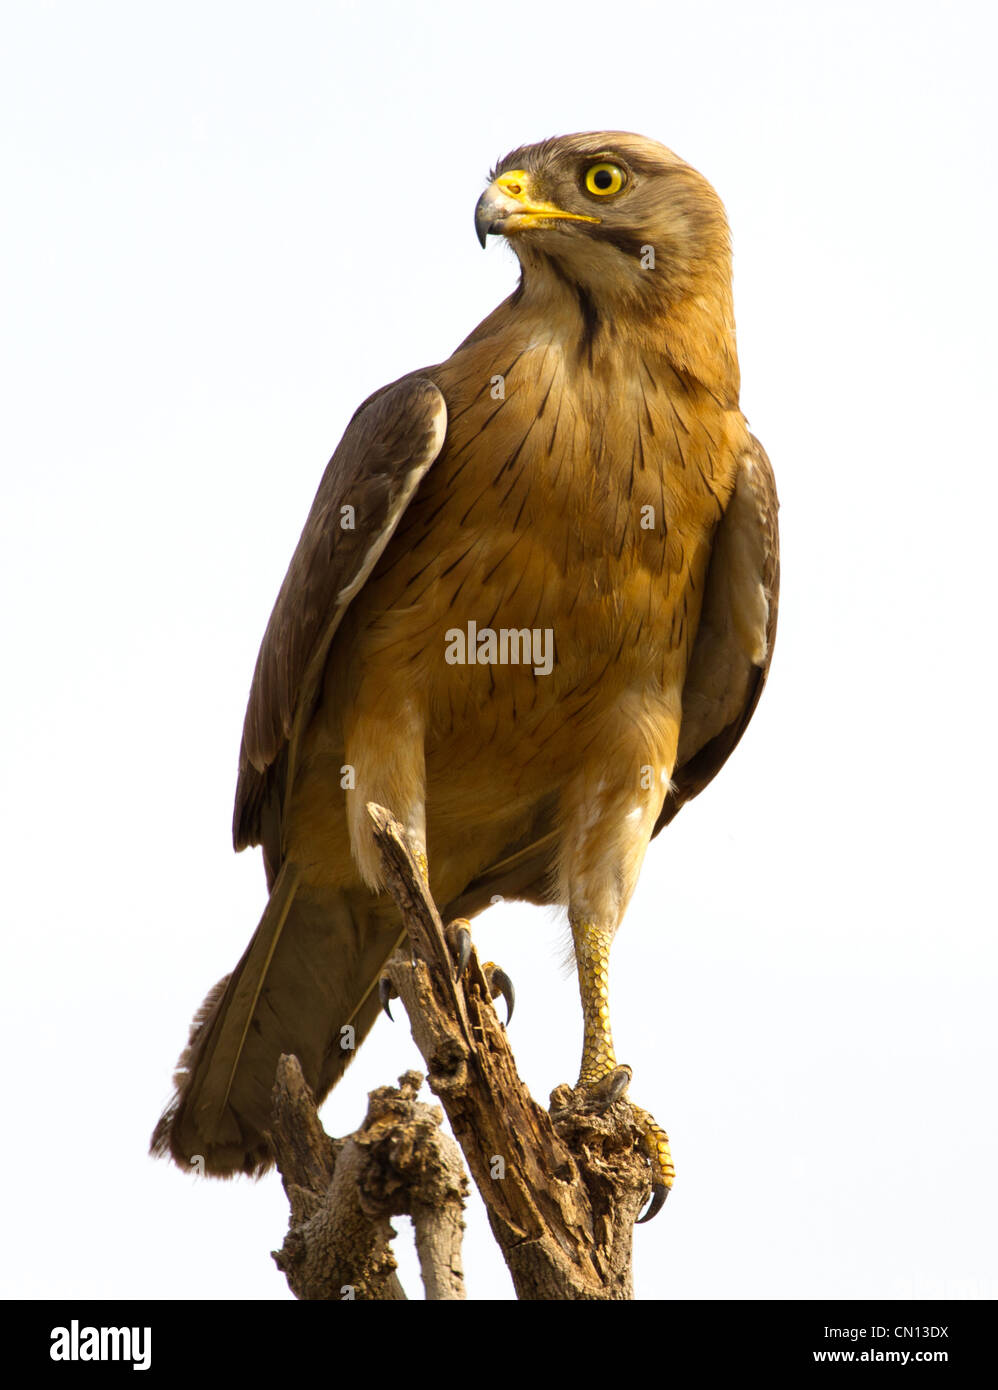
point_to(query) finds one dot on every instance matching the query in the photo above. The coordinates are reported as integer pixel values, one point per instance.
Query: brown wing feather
(388, 446)
(734, 645)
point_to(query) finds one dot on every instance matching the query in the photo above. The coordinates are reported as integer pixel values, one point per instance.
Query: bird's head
(631, 233)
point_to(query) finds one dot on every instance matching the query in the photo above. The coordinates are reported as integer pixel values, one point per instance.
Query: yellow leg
(422, 863)
(592, 955)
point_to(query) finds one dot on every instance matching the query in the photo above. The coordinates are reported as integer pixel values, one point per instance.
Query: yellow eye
(603, 179)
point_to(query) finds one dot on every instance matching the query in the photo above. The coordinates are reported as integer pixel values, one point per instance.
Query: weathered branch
(563, 1190)
(343, 1192)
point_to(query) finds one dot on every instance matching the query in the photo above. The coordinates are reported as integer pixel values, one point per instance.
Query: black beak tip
(485, 218)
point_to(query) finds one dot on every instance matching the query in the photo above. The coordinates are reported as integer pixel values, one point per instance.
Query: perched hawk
(531, 612)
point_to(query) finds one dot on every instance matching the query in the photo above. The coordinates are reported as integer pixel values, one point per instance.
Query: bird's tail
(306, 984)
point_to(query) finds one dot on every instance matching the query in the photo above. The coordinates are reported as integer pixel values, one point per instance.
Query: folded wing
(387, 448)
(734, 643)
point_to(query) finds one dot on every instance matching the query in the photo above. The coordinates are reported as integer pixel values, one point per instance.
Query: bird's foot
(458, 937)
(601, 1093)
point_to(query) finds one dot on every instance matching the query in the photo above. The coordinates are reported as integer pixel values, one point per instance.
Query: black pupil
(602, 178)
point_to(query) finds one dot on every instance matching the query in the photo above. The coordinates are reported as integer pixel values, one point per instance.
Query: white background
(223, 225)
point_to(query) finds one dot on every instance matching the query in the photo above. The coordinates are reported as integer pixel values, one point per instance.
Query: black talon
(501, 984)
(459, 944)
(386, 991)
(609, 1089)
(459, 941)
(659, 1192)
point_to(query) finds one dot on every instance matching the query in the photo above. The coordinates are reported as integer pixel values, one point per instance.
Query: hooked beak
(507, 206)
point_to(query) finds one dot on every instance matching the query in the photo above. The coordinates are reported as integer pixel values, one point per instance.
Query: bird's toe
(656, 1146)
(386, 992)
(458, 937)
(611, 1087)
(499, 983)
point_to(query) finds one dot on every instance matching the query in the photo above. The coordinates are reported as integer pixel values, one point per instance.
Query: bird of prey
(531, 612)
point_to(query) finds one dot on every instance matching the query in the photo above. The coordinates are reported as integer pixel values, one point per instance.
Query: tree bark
(343, 1192)
(562, 1190)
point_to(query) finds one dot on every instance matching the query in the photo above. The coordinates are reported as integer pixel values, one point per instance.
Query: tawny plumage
(579, 474)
